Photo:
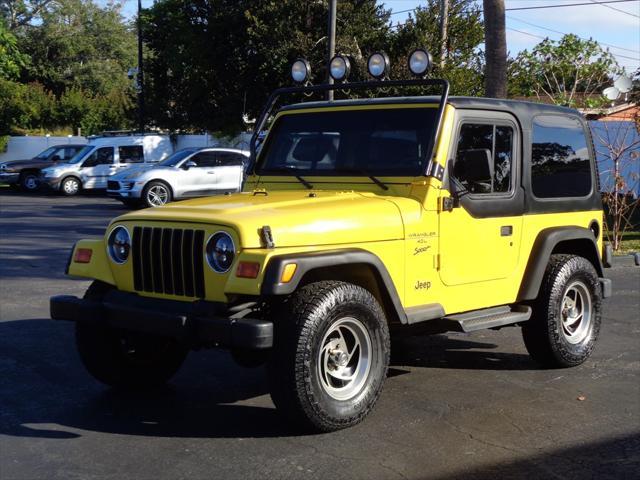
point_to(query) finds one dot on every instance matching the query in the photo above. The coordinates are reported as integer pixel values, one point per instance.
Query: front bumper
(9, 177)
(49, 182)
(198, 324)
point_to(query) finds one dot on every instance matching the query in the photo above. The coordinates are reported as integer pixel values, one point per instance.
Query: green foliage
(211, 60)
(12, 61)
(566, 72)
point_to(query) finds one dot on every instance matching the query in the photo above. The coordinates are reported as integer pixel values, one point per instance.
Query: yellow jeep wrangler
(359, 217)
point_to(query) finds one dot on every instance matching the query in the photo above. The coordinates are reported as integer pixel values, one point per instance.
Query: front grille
(113, 185)
(168, 260)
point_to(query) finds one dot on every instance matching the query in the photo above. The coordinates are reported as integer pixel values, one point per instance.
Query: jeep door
(480, 228)
(97, 167)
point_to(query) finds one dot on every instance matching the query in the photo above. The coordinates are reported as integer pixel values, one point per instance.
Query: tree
(21, 13)
(12, 61)
(495, 40)
(566, 72)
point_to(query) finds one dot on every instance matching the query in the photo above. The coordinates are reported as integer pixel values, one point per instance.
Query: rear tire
(156, 194)
(566, 318)
(70, 186)
(124, 359)
(330, 355)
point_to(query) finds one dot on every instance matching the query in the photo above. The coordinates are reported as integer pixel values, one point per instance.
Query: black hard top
(520, 108)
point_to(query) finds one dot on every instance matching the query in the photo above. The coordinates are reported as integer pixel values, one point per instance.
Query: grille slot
(113, 185)
(168, 260)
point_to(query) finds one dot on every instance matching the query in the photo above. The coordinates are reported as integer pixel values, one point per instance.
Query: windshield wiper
(291, 171)
(375, 180)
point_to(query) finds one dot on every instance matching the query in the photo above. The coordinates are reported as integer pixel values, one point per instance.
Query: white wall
(205, 140)
(28, 147)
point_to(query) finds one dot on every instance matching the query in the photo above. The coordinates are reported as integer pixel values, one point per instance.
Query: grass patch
(630, 243)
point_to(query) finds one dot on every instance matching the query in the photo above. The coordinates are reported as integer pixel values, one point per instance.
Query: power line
(538, 7)
(616, 9)
(564, 33)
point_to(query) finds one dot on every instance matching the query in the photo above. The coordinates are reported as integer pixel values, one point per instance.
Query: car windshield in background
(173, 160)
(391, 142)
(80, 155)
(47, 153)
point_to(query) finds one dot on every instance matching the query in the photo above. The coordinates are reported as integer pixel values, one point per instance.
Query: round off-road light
(300, 71)
(220, 252)
(378, 65)
(339, 68)
(119, 244)
(420, 62)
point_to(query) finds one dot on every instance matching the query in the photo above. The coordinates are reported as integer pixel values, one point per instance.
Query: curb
(632, 259)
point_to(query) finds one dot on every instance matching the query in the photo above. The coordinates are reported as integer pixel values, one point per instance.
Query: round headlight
(300, 70)
(220, 252)
(339, 68)
(119, 244)
(420, 62)
(378, 65)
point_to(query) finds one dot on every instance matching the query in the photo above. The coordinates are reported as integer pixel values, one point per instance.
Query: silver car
(191, 172)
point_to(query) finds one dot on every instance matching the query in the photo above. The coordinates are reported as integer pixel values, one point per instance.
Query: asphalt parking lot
(453, 406)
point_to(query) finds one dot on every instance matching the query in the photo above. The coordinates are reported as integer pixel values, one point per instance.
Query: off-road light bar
(339, 68)
(378, 65)
(420, 62)
(300, 71)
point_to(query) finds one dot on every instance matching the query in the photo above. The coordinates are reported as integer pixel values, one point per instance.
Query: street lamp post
(140, 72)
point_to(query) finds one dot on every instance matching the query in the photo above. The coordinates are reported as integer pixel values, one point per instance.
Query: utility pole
(495, 41)
(444, 21)
(332, 41)
(140, 72)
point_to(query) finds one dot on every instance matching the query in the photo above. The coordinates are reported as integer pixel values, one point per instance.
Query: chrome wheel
(344, 359)
(157, 195)
(576, 312)
(70, 186)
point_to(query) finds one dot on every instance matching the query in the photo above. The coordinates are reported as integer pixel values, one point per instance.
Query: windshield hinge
(435, 170)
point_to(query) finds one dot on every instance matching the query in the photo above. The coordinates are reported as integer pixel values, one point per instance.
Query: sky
(526, 28)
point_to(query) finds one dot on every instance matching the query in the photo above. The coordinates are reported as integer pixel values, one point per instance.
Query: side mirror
(189, 164)
(474, 170)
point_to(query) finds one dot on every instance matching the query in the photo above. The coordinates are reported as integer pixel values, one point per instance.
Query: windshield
(177, 157)
(80, 155)
(391, 142)
(47, 153)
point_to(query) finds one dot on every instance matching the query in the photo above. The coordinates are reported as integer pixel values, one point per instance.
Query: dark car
(25, 173)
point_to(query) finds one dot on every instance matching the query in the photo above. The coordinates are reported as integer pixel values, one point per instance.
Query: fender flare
(544, 245)
(307, 262)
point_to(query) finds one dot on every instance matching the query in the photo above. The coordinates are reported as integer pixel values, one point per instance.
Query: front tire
(29, 182)
(70, 186)
(330, 355)
(156, 194)
(566, 319)
(124, 359)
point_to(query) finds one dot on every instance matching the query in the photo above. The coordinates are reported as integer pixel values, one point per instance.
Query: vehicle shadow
(46, 393)
(456, 351)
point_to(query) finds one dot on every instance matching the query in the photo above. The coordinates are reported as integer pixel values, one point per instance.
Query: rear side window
(560, 165)
(131, 154)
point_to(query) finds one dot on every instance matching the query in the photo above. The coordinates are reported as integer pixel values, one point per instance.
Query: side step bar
(487, 318)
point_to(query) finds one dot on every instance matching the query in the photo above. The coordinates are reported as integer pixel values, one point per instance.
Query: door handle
(211, 172)
(506, 231)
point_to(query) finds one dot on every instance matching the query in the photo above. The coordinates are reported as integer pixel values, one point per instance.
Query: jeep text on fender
(359, 217)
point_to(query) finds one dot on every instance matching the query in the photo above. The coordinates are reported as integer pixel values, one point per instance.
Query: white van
(103, 157)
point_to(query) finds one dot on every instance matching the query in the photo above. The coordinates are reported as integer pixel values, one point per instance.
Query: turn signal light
(288, 272)
(83, 255)
(248, 270)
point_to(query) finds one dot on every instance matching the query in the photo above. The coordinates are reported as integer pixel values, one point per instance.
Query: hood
(296, 218)
(9, 164)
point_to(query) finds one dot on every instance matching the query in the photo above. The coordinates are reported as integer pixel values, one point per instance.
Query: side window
(560, 165)
(102, 156)
(131, 154)
(68, 153)
(229, 159)
(484, 158)
(204, 159)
